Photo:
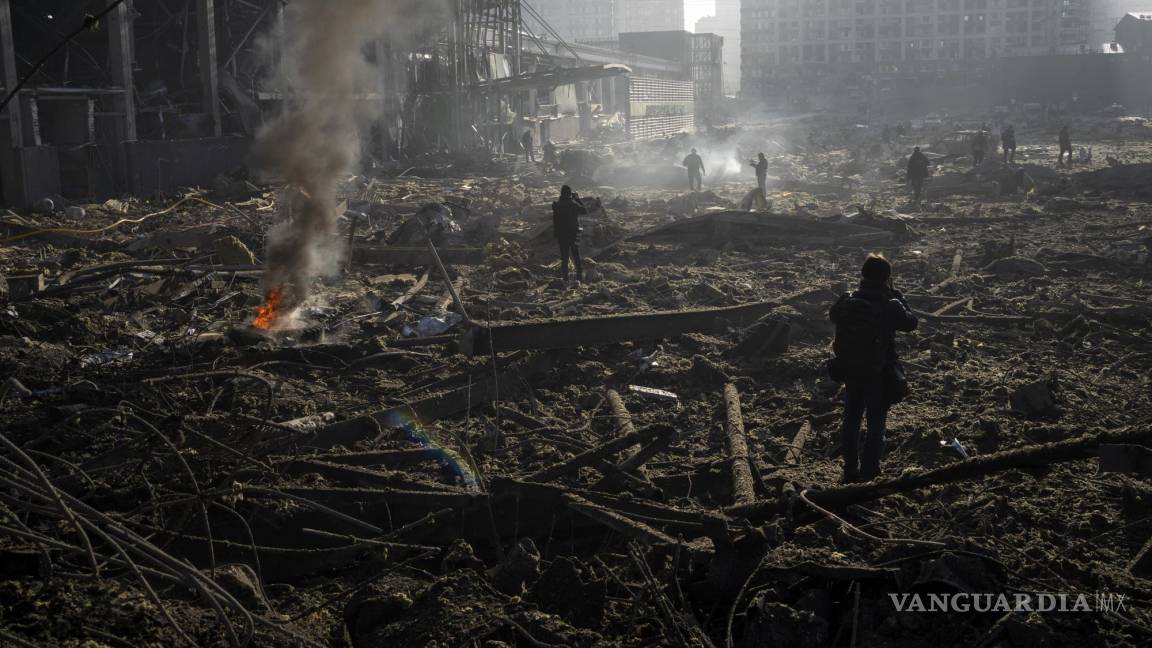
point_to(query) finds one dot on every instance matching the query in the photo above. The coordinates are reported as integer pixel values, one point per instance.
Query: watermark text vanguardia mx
(1099, 602)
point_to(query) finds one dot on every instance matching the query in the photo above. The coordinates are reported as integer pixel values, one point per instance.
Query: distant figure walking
(761, 166)
(979, 148)
(529, 146)
(1008, 143)
(550, 159)
(917, 173)
(1065, 145)
(696, 171)
(866, 362)
(566, 214)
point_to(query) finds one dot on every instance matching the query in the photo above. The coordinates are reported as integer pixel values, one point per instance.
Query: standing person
(979, 148)
(865, 346)
(549, 149)
(696, 172)
(566, 214)
(1065, 144)
(761, 166)
(917, 173)
(528, 144)
(1008, 142)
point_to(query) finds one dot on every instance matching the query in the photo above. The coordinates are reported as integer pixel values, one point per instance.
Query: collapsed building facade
(157, 96)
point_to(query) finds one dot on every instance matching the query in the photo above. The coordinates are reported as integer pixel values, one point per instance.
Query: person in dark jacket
(761, 166)
(529, 146)
(979, 148)
(1065, 145)
(1008, 143)
(868, 389)
(566, 214)
(696, 172)
(917, 173)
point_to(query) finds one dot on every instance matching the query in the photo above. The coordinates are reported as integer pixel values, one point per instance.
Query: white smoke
(316, 142)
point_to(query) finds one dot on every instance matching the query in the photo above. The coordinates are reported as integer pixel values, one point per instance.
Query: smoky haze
(316, 141)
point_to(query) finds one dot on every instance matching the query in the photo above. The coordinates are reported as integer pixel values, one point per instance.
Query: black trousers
(695, 181)
(570, 248)
(917, 188)
(762, 182)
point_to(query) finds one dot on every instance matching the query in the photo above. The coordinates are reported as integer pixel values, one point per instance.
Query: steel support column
(8, 54)
(209, 75)
(120, 55)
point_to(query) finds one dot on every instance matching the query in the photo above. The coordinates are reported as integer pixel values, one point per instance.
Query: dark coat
(761, 167)
(917, 166)
(694, 163)
(566, 214)
(895, 316)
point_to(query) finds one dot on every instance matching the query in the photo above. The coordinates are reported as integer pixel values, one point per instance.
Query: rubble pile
(445, 445)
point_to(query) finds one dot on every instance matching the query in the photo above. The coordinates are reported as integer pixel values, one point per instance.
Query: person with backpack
(867, 320)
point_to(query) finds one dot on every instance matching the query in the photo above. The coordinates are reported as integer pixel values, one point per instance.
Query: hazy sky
(696, 9)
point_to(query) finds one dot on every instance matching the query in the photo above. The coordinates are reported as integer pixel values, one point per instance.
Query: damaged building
(156, 96)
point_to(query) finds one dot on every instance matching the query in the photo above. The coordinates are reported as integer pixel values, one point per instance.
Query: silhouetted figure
(761, 166)
(979, 148)
(696, 172)
(865, 346)
(917, 173)
(549, 149)
(1065, 145)
(529, 146)
(566, 214)
(1008, 142)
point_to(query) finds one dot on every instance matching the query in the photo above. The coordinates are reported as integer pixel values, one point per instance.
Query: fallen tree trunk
(1083, 447)
(743, 491)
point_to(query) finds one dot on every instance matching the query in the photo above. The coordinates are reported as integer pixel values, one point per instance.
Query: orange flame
(269, 311)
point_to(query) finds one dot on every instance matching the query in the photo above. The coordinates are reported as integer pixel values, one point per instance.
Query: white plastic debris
(106, 358)
(430, 326)
(652, 391)
(955, 446)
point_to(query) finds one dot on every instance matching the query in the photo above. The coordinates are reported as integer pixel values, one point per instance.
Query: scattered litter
(434, 325)
(652, 391)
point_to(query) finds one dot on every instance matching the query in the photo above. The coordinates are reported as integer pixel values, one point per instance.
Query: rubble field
(476, 454)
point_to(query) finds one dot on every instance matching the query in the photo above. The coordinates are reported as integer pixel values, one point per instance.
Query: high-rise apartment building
(575, 20)
(726, 23)
(601, 22)
(784, 40)
(649, 15)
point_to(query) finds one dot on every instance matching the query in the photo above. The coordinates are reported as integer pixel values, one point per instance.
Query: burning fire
(269, 311)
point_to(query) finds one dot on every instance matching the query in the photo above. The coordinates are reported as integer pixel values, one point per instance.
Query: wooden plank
(796, 449)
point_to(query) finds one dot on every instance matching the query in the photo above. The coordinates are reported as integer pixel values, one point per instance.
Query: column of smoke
(316, 142)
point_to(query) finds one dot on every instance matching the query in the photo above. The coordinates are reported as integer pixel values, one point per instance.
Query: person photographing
(867, 321)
